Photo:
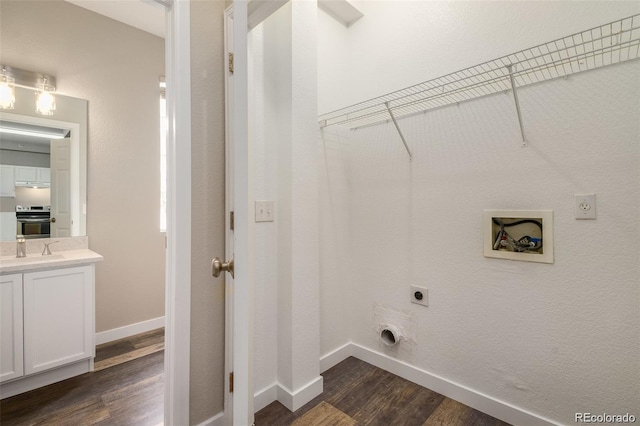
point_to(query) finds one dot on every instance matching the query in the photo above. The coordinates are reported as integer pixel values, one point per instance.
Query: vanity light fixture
(45, 86)
(7, 90)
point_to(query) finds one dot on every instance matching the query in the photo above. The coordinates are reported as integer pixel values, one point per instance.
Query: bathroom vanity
(47, 326)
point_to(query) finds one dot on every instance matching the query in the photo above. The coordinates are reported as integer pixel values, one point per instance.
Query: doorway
(114, 73)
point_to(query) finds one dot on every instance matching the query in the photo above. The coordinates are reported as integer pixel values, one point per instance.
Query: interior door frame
(241, 187)
(229, 246)
(245, 16)
(178, 265)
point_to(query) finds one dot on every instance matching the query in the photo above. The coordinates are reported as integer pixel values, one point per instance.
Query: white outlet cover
(425, 295)
(585, 206)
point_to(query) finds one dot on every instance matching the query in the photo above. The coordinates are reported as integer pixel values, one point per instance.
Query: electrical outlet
(419, 295)
(264, 211)
(585, 206)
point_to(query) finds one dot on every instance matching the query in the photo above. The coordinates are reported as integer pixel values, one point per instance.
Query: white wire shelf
(608, 44)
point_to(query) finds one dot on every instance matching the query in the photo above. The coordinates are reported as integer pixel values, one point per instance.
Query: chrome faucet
(21, 247)
(45, 250)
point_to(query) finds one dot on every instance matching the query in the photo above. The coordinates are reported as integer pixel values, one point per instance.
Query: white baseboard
(264, 397)
(129, 330)
(217, 420)
(295, 400)
(481, 402)
(336, 356)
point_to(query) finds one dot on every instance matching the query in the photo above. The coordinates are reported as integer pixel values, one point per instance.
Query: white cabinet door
(7, 181)
(26, 174)
(11, 362)
(58, 317)
(8, 226)
(44, 175)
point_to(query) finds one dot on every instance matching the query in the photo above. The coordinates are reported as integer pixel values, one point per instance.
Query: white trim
(35, 381)
(474, 399)
(342, 11)
(242, 410)
(129, 330)
(178, 275)
(228, 197)
(217, 420)
(295, 400)
(264, 397)
(258, 11)
(336, 356)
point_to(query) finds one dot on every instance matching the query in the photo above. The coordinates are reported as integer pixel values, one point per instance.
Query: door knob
(218, 266)
(52, 220)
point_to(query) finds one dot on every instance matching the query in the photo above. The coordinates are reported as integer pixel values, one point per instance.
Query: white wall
(401, 43)
(550, 339)
(284, 134)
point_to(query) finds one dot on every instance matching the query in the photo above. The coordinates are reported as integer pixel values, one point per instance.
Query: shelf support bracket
(393, 118)
(515, 99)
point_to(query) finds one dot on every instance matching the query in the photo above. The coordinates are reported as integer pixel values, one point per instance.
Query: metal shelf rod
(399, 131)
(515, 99)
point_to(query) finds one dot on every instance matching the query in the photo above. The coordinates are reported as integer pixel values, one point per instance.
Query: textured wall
(401, 43)
(208, 210)
(550, 339)
(287, 258)
(116, 68)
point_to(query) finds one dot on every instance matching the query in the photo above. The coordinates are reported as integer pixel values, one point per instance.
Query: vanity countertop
(33, 262)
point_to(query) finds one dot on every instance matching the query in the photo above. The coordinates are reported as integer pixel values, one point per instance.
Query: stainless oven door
(34, 227)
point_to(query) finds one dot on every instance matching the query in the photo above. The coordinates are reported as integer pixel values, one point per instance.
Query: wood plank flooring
(127, 390)
(357, 393)
(127, 349)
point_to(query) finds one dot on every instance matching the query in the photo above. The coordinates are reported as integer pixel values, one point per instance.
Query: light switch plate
(585, 206)
(264, 211)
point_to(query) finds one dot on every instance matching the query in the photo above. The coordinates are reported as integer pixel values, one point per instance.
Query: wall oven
(33, 221)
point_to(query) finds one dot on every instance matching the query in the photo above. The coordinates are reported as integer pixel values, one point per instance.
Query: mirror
(68, 187)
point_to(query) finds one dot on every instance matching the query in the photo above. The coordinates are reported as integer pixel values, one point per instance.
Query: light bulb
(46, 102)
(7, 93)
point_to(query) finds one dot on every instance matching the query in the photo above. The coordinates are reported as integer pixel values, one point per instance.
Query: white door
(60, 188)
(239, 316)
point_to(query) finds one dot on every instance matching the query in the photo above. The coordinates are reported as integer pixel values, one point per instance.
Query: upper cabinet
(32, 176)
(7, 181)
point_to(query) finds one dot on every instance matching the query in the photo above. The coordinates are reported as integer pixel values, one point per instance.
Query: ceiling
(145, 15)
(149, 16)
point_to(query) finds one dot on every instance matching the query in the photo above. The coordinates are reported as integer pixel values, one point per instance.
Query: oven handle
(39, 220)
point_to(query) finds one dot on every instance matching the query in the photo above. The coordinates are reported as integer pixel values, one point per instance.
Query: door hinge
(231, 221)
(231, 62)
(231, 382)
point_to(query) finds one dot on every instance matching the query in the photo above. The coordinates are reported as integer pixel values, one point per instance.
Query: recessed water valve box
(419, 295)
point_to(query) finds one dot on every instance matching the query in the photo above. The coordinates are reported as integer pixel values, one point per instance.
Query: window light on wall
(164, 128)
(44, 85)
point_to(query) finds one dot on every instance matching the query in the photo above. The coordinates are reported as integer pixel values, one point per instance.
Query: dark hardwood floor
(357, 393)
(127, 390)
